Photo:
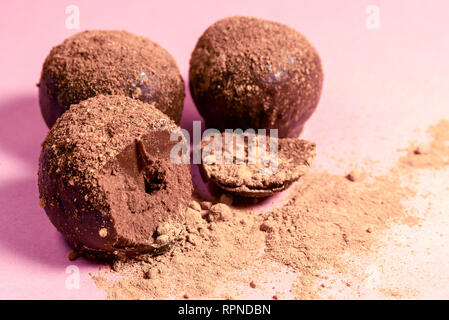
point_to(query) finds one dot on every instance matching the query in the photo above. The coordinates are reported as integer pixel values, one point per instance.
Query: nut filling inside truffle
(253, 176)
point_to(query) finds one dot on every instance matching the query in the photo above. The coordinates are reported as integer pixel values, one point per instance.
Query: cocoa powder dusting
(432, 155)
(325, 217)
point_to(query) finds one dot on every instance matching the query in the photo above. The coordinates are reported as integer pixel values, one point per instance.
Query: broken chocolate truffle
(97, 62)
(253, 73)
(246, 169)
(106, 180)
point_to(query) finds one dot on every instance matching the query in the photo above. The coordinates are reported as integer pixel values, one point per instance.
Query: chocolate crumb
(226, 198)
(219, 212)
(354, 176)
(422, 149)
(195, 205)
(267, 226)
(162, 239)
(206, 205)
(193, 219)
(192, 239)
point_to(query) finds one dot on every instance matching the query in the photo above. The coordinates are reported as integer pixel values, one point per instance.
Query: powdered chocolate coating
(105, 177)
(253, 73)
(109, 62)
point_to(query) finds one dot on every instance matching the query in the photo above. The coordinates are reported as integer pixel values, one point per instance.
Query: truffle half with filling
(253, 165)
(106, 180)
(97, 62)
(253, 73)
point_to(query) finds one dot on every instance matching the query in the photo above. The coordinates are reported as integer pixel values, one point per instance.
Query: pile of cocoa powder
(324, 217)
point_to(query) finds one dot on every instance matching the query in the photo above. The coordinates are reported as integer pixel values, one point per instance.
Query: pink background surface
(380, 86)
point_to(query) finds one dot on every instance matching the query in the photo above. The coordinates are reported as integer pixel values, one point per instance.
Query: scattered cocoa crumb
(162, 239)
(432, 155)
(266, 226)
(219, 212)
(226, 199)
(193, 219)
(195, 205)
(422, 149)
(205, 205)
(354, 175)
(190, 238)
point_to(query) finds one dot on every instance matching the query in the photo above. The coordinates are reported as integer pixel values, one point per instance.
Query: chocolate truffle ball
(106, 180)
(110, 63)
(253, 73)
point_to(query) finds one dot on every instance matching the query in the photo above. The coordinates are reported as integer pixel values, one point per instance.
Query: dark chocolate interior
(139, 185)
